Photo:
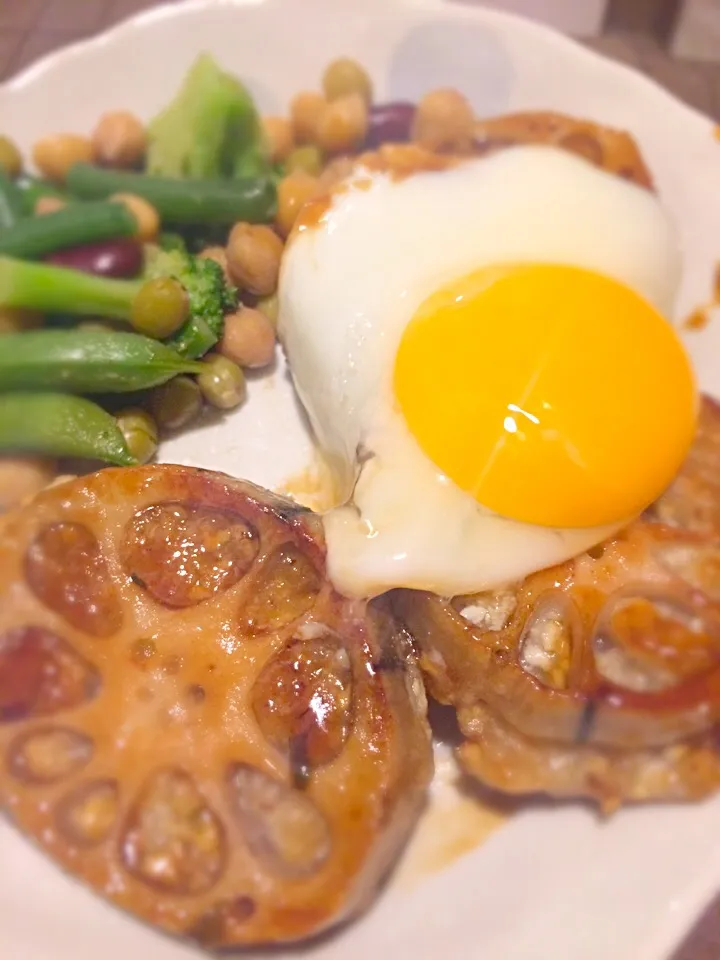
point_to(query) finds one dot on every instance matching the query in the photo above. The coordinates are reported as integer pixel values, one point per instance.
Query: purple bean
(111, 258)
(390, 123)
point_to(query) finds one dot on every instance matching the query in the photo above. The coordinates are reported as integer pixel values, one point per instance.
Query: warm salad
(139, 264)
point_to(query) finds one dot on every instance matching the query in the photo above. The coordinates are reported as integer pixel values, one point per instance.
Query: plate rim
(41, 69)
(462, 9)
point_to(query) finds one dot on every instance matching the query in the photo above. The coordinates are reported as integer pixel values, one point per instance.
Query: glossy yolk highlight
(552, 394)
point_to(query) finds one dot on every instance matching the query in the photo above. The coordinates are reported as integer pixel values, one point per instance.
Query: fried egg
(485, 357)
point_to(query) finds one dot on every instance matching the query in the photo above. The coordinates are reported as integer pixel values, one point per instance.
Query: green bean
(10, 202)
(72, 226)
(87, 361)
(251, 199)
(60, 425)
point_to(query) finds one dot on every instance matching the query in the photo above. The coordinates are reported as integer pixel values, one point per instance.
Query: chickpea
(307, 158)
(270, 307)
(54, 155)
(248, 338)
(220, 257)
(119, 139)
(293, 193)
(22, 477)
(254, 253)
(146, 216)
(140, 433)
(343, 124)
(10, 158)
(222, 382)
(336, 170)
(17, 320)
(444, 120)
(279, 137)
(48, 204)
(345, 76)
(305, 112)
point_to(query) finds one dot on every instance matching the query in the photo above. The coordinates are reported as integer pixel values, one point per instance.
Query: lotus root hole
(629, 652)
(545, 648)
(282, 827)
(48, 755)
(173, 840)
(183, 554)
(66, 571)
(288, 589)
(41, 674)
(303, 701)
(88, 814)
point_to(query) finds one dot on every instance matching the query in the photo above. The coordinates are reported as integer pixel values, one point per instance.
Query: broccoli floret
(210, 130)
(57, 290)
(170, 240)
(209, 296)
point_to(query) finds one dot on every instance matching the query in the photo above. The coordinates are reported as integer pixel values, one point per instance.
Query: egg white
(350, 285)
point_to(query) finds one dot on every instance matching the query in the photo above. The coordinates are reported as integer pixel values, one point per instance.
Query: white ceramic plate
(552, 881)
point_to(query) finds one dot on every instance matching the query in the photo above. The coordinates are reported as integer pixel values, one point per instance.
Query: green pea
(222, 383)
(160, 308)
(60, 425)
(176, 403)
(140, 433)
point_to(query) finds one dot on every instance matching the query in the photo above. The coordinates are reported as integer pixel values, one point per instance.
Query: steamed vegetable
(33, 188)
(194, 202)
(39, 286)
(84, 361)
(60, 425)
(211, 129)
(209, 296)
(140, 433)
(76, 224)
(119, 258)
(10, 202)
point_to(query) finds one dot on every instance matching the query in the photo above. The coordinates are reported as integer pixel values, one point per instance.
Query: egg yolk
(554, 395)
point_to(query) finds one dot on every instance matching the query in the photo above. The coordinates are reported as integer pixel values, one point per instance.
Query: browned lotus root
(592, 678)
(502, 758)
(612, 150)
(191, 719)
(693, 500)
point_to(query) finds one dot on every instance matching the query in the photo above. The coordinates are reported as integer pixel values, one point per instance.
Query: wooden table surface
(31, 28)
